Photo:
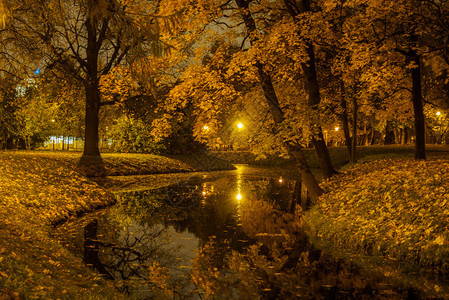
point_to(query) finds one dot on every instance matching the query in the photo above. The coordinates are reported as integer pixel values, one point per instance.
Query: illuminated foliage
(401, 211)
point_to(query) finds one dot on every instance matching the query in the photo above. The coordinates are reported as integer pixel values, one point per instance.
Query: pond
(148, 242)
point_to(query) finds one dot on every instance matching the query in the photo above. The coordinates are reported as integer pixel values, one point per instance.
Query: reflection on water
(147, 241)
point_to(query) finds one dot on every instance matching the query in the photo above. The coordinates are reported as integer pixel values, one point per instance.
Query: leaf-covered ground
(38, 189)
(35, 192)
(397, 209)
(140, 164)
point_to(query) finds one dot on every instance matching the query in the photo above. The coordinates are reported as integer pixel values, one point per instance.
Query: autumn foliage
(392, 208)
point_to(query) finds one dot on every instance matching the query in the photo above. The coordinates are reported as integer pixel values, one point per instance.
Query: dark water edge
(161, 228)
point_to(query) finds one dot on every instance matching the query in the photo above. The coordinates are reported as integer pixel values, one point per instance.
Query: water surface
(148, 240)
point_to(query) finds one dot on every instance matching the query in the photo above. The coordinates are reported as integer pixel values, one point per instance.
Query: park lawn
(396, 209)
(124, 164)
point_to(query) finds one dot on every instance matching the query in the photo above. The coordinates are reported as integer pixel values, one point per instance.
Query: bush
(133, 135)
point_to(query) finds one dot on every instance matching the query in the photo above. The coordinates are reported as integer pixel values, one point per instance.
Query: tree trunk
(294, 150)
(420, 132)
(306, 174)
(354, 131)
(322, 153)
(313, 91)
(389, 137)
(91, 162)
(92, 121)
(397, 135)
(366, 141)
(405, 136)
(344, 120)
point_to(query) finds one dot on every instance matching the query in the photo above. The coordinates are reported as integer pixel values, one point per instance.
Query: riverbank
(392, 211)
(339, 155)
(363, 211)
(126, 164)
(34, 193)
(38, 189)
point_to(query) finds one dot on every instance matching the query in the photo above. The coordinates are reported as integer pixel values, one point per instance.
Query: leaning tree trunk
(293, 149)
(313, 90)
(275, 109)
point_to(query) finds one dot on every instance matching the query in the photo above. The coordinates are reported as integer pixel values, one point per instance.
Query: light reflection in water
(239, 177)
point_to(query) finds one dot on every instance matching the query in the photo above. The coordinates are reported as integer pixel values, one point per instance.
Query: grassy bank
(339, 155)
(38, 189)
(35, 192)
(397, 210)
(124, 164)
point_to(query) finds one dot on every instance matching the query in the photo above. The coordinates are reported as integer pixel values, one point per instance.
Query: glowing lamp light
(337, 128)
(53, 120)
(438, 113)
(281, 180)
(240, 125)
(204, 193)
(239, 197)
(205, 127)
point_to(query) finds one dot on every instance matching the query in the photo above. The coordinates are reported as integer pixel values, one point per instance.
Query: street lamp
(337, 128)
(240, 125)
(438, 113)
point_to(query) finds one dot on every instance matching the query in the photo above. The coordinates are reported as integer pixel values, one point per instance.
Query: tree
(396, 27)
(297, 9)
(86, 39)
(219, 93)
(8, 107)
(35, 114)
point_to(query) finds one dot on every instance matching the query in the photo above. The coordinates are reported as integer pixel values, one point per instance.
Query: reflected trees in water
(247, 248)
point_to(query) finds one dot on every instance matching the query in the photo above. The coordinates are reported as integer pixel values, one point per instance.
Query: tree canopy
(293, 71)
